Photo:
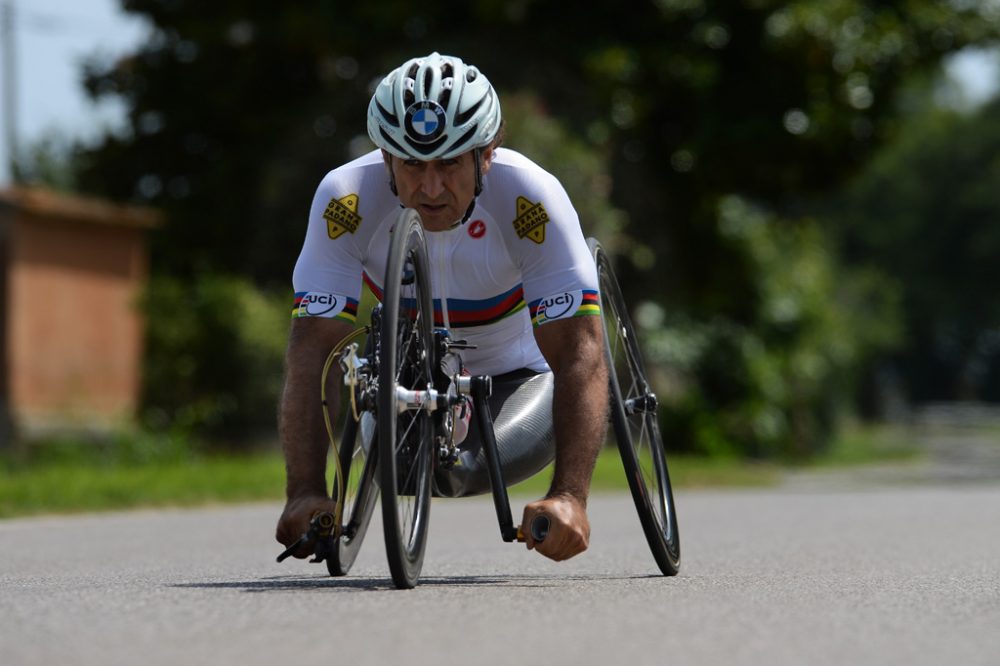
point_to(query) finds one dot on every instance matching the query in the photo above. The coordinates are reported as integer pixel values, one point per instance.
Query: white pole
(8, 35)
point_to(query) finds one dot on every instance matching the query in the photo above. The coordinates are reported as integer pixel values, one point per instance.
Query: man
(510, 270)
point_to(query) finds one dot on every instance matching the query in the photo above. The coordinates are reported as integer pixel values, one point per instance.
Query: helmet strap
(478, 156)
(468, 213)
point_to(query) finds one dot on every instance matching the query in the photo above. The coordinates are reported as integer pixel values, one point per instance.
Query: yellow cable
(338, 470)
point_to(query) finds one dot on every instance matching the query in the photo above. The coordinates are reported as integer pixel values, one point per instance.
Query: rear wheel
(634, 419)
(357, 459)
(405, 438)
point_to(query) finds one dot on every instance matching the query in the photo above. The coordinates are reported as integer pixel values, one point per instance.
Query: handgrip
(321, 525)
(295, 546)
(540, 525)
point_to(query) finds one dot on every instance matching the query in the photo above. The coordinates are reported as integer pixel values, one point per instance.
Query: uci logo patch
(316, 304)
(424, 121)
(557, 306)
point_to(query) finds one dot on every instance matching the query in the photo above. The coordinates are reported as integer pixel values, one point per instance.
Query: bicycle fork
(479, 388)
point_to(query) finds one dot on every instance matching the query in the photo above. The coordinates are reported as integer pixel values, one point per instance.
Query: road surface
(883, 574)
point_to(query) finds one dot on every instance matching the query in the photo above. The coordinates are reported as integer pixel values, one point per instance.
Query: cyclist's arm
(574, 350)
(303, 433)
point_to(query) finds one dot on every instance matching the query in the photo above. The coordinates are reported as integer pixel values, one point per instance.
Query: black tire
(634, 420)
(405, 439)
(359, 500)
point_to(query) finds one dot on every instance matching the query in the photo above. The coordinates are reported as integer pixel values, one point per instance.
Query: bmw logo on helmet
(425, 121)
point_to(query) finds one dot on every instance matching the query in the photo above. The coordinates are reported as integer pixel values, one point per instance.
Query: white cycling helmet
(433, 108)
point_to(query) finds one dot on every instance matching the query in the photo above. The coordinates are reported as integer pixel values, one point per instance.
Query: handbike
(400, 425)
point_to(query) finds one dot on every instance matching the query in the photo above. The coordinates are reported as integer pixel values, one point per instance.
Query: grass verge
(75, 483)
(139, 472)
(685, 472)
(66, 487)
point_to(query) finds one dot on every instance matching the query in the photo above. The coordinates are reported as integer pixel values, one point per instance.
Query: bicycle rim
(359, 499)
(634, 419)
(405, 439)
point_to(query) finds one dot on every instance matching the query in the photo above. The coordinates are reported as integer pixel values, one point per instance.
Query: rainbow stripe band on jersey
(328, 306)
(565, 305)
(469, 312)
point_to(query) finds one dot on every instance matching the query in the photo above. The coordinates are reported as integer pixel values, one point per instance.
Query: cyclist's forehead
(461, 158)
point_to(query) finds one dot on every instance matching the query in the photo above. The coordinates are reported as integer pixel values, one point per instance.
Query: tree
(237, 109)
(925, 213)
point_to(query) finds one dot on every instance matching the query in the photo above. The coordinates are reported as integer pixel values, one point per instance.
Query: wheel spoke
(402, 439)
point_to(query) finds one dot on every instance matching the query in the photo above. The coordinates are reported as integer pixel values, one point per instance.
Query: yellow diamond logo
(342, 215)
(531, 220)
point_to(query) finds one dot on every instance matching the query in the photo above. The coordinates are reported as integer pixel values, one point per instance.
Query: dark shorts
(521, 406)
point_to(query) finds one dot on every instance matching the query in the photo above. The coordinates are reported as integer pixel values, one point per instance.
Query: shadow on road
(303, 583)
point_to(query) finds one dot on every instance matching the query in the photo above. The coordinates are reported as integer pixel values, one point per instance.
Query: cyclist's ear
(487, 159)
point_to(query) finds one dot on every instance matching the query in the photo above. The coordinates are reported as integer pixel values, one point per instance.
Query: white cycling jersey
(520, 261)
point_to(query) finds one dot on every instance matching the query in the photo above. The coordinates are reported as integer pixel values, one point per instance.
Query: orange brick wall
(74, 335)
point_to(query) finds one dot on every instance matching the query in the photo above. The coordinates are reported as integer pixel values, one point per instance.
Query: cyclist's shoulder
(356, 172)
(515, 182)
(512, 173)
(518, 167)
(360, 184)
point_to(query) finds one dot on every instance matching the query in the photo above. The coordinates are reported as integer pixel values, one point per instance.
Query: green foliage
(925, 214)
(147, 469)
(215, 356)
(773, 386)
(236, 110)
(581, 167)
(136, 470)
(50, 161)
(77, 476)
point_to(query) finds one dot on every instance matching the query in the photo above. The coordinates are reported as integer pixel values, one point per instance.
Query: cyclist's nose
(431, 182)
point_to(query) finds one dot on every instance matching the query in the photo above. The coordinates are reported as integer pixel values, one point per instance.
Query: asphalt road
(879, 575)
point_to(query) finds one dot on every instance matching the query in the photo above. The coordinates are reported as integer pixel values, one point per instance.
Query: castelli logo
(477, 229)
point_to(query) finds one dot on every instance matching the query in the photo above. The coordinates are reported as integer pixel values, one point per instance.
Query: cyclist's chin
(438, 220)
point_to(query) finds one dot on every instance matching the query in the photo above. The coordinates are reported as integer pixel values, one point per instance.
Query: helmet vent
(426, 148)
(387, 115)
(428, 82)
(389, 140)
(463, 117)
(465, 138)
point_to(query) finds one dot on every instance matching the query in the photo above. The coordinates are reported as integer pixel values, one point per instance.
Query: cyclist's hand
(294, 521)
(569, 529)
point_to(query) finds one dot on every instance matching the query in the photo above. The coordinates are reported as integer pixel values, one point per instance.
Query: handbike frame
(479, 388)
(431, 395)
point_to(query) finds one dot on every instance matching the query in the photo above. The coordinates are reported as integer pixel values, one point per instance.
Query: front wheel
(634, 419)
(405, 437)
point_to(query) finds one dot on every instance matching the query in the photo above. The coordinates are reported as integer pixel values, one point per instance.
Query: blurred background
(802, 197)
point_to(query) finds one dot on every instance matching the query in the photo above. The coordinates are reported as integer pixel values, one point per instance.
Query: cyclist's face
(440, 190)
